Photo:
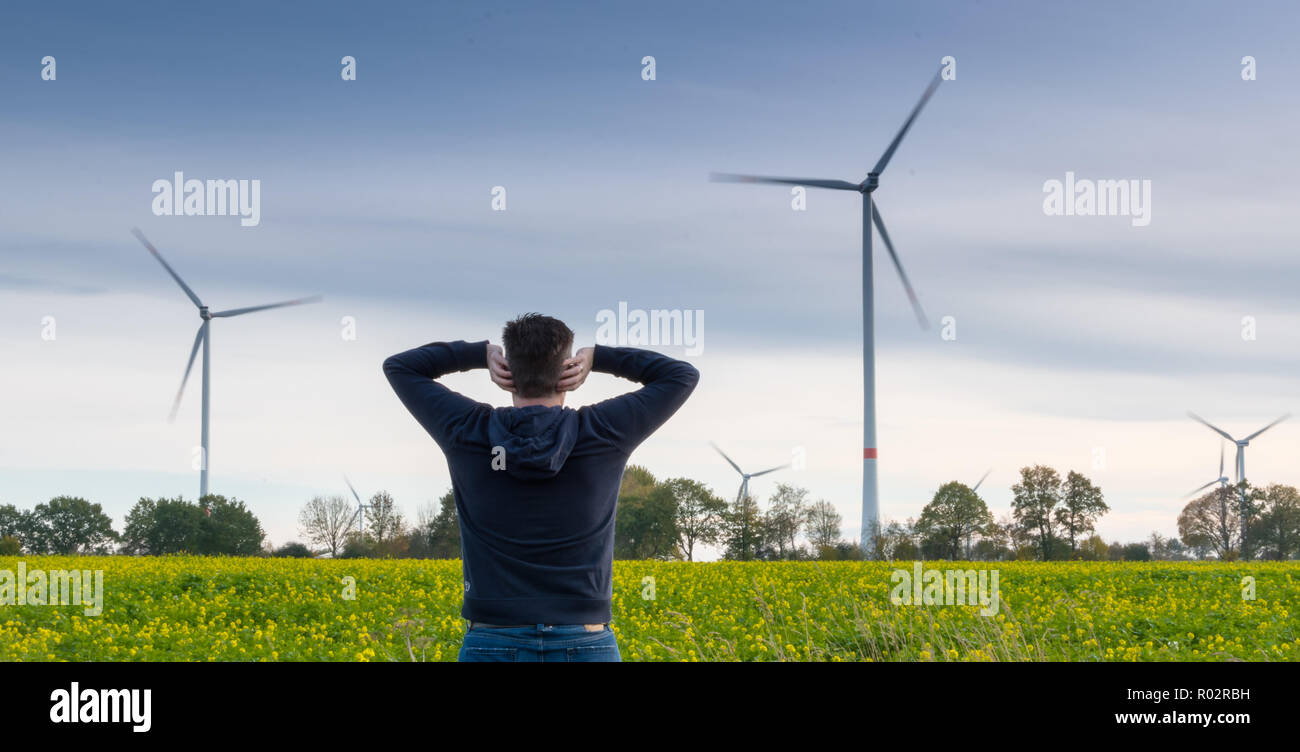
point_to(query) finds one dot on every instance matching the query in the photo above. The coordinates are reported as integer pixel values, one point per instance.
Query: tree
(1277, 530)
(646, 525)
(292, 551)
(1211, 523)
(325, 521)
(742, 530)
(13, 522)
(823, 525)
(996, 542)
(228, 528)
(786, 512)
(1081, 505)
(637, 481)
(384, 519)
(1137, 552)
(1093, 548)
(443, 530)
(155, 527)
(1035, 499)
(699, 514)
(69, 525)
(950, 519)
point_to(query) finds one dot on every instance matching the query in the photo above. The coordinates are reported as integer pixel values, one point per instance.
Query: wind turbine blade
(838, 185)
(140, 236)
(769, 470)
(252, 309)
(194, 351)
(889, 245)
(981, 480)
(1265, 428)
(354, 493)
(1216, 429)
(889, 153)
(725, 457)
(1221, 459)
(1202, 488)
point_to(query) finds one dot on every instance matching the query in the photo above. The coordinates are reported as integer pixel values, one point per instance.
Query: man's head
(536, 347)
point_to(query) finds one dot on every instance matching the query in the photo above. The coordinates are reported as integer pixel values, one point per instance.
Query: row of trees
(1243, 522)
(65, 525)
(668, 519)
(334, 527)
(1052, 518)
(71, 525)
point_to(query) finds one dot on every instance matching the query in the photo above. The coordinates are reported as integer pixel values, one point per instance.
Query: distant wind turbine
(744, 476)
(1222, 480)
(975, 489)
(204, 338)
(870, 216)
(1241, 459)
(361, 507)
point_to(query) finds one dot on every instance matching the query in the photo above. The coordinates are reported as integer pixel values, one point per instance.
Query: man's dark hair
(536, 348)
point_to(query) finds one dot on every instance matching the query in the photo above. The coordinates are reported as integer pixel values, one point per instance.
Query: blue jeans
(570, 643)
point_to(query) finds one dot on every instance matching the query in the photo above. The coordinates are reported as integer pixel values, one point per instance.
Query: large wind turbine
(744, 476)
(1241, 460)
(870, 216)
(204, 338)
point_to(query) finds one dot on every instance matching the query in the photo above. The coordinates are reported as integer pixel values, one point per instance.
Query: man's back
(536, 487)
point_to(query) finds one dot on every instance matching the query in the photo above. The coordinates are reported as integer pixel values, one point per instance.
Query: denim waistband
(539, 628)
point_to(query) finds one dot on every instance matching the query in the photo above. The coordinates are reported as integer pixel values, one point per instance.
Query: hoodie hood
(537, 439)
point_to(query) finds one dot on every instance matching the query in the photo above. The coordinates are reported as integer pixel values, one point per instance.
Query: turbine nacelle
(744, 476)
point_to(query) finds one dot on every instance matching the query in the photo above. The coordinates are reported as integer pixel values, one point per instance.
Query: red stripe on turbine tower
(869, 453)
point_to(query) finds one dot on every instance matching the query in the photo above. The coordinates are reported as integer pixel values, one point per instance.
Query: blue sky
(1074, 333)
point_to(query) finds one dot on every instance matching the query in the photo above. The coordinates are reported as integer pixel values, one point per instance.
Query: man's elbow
(690, 375)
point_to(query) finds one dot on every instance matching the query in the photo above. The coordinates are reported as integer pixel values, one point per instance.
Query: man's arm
(434, 406)
(631, 418)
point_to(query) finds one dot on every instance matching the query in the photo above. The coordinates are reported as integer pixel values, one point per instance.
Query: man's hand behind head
(499, 368)
(576, 370)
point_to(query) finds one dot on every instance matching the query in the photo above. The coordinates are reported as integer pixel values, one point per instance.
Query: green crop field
(259, 609)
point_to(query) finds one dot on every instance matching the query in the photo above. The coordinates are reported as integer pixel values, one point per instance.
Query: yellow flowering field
(199, 609)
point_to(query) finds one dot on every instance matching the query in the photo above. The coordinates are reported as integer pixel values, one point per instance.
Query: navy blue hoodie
(537, 537)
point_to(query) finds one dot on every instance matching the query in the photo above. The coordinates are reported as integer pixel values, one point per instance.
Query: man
(536, 485)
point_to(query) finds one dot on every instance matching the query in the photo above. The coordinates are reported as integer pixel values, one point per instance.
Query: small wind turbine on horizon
(361, 507)
(204, 338)
(744, 476)
(870, 216)
(975, 490)
(1222, 480)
